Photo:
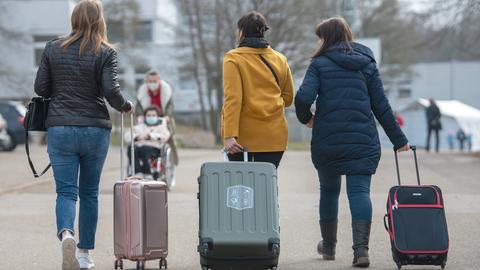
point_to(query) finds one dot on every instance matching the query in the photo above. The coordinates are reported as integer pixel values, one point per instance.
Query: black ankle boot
(326, 247)
(361, 236)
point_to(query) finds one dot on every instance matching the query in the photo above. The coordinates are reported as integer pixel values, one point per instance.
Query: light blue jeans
(358, 191)
(77, 155)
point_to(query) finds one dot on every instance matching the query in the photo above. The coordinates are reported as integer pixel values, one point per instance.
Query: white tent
(455, 115)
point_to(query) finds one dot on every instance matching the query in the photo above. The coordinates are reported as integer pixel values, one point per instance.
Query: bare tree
(399, 33)
(211, 34)
(451, 30)
(194, 64)
(123, 18)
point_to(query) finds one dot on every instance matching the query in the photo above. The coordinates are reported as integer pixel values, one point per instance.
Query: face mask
(151, 120)
(153, 85)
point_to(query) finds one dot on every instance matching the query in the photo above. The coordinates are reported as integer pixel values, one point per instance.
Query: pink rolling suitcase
(140, 218)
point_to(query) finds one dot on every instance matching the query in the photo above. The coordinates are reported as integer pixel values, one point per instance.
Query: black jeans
(143, 154)
(270, 157)
(437, 141)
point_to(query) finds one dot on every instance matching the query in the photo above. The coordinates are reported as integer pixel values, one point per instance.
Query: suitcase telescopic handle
(244, 151)
(132, 149)
(414, 150)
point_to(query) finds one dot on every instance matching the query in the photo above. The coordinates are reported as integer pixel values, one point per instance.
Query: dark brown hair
(152, 72)
(333, 31)
(253, 24)
(88, 23)
(153, 108)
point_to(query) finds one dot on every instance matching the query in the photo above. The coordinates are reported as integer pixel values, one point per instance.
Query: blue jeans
(358, 191)
(74, 149)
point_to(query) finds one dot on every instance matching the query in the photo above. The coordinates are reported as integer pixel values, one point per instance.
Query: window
(39, 42)
(144, 31)
(38, 56)
(115, 31)
(187, 83)
(142, 69)
(43, 38)
(404, 93)
(118, 31)
(138, 83)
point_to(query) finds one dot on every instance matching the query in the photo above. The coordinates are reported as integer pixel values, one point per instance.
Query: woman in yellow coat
(258, 86)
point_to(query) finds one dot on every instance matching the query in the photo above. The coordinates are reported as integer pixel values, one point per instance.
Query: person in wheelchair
(149, 139)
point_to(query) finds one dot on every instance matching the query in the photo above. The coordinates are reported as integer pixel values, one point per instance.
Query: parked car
(7, 141)
(14, 114)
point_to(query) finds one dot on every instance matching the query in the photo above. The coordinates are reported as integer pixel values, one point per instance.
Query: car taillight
(21, 119)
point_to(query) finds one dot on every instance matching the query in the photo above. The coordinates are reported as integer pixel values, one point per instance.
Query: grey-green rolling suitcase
(239, 222)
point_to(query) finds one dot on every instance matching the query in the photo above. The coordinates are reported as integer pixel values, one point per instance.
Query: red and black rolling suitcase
(416, 223)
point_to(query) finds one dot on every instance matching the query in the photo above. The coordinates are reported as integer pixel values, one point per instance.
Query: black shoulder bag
(271, 69)
(35, 119)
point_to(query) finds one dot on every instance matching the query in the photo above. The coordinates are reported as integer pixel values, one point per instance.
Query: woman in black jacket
(344, 82)
(78, 73)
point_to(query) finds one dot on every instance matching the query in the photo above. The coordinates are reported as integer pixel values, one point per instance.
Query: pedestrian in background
(78, 72)
(451, 140)
(344, 82)
(469, 142)
(258, 86)
(400, 120)
(461, 137)
(434, 124)
(158, 93)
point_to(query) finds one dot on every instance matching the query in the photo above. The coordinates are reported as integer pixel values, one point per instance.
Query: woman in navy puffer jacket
(344, 82)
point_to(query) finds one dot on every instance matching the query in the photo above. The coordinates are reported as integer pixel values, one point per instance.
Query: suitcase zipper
(437, 205)
(417, 206)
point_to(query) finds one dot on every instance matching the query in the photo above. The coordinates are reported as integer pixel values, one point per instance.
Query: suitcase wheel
(443, 265)
(140, 265)
(119, 264)
(399, 265)
(205, 268)
(274, 268)
(275, 250)
(163, 264)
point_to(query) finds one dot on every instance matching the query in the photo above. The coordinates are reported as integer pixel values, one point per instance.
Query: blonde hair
(88, 23)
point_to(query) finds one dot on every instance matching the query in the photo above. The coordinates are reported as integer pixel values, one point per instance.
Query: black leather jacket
(78, 85)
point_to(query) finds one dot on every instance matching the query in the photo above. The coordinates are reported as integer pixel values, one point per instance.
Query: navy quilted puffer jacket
(346, 87)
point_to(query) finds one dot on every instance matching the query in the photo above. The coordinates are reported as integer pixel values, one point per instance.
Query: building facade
(37, 21)
(438, 80)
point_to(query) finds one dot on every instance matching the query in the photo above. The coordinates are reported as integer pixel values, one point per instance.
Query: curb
(24, 186)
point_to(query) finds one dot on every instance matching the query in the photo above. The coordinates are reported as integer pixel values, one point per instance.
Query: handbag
(35, 118)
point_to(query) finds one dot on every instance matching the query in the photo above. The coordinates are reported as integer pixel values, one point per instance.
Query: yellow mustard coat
(254, 104)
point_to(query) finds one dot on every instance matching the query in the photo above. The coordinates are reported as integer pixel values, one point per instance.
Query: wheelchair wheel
(169, 168)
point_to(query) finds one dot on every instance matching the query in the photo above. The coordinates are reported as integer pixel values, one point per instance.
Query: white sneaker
(69, 260)
(85, 260)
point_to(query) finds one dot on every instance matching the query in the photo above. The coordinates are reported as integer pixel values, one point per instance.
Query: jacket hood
(356, 59)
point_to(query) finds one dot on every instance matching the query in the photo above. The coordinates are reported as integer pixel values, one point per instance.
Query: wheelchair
(162, 167)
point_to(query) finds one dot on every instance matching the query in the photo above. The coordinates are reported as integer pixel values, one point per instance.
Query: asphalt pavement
(27, 221)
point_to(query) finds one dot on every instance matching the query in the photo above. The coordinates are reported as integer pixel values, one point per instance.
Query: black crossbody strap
(27, 149)
(271, 69)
